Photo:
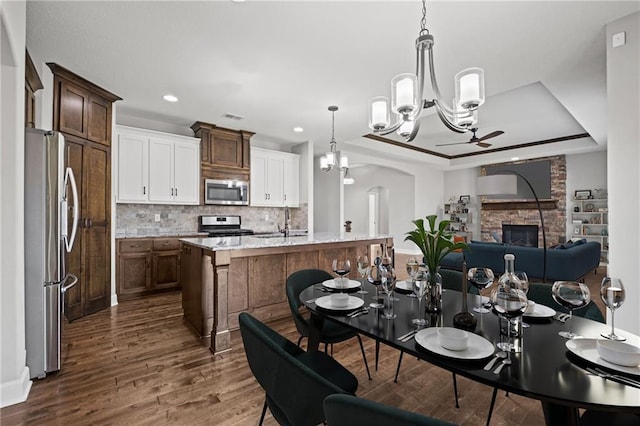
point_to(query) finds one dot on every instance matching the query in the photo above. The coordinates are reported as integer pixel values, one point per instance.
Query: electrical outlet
(157, 217)
(266, 216)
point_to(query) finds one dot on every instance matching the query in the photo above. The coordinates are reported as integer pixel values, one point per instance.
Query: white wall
(584, 171)
(396, 201)
(14, 375)
(326, 199)
(623, 110)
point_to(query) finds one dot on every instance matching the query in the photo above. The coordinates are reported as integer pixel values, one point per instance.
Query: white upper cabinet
(133, 175)
(274, 178)
(157, 168)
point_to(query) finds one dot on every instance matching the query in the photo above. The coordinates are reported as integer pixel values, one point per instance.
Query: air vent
(232, 116)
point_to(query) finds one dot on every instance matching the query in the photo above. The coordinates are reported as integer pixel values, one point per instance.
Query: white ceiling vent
(232, 116)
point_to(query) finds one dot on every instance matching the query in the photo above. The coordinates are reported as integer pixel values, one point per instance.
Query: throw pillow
(458, 239)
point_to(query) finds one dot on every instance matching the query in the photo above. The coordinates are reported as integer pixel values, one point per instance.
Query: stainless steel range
(222, 226)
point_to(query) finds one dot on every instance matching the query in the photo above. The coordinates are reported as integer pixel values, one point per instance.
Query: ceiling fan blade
(483, 144)
(490, 135)
(455, 143)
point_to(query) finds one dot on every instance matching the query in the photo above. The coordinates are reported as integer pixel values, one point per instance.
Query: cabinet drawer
(135, 246)
(161, 244)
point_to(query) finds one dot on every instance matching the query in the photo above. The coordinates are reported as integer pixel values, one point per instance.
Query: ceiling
(281, 64)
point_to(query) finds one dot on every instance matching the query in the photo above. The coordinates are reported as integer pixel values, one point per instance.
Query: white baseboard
(15, 391)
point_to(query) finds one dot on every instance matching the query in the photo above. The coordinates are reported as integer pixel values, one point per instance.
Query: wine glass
(524, 279)
(612, 293)
(362, 264)
(480, 278)
(375, 278)
(509, 302)
(572, 295)
(420, 285)
(388, 283)
(341, 267)
(412, 269)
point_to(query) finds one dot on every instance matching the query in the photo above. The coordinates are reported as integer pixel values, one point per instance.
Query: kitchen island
(224, 276)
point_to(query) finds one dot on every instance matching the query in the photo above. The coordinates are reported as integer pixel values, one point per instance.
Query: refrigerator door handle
(66, 287)
(70, 178)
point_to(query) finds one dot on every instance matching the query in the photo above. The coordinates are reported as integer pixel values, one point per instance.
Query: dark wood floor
(137, 363)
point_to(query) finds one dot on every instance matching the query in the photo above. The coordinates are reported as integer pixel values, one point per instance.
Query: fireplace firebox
(520, 235)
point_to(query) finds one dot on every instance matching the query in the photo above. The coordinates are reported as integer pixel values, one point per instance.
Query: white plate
(325, 302)
(478, 347)
(586, 349)
(404, 285)
(540, 311)
(351, 284)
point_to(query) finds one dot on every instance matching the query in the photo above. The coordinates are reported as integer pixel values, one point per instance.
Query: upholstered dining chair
(295, 382)
(332, 332)
(345, 410)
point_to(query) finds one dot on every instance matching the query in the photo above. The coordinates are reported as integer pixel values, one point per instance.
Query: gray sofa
(569, 261)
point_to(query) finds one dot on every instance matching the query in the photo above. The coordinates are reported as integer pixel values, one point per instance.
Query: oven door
(226, 192)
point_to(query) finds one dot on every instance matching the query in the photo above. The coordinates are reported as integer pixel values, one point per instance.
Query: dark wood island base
(219, 282)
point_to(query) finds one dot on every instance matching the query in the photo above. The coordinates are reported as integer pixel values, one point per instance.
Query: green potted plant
(434, 244)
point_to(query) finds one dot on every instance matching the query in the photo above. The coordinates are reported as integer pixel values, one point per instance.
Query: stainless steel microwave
(226, 192)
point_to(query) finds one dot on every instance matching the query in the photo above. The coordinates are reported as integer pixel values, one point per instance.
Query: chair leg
(364, 356)
(377, 353)
(300, 340)
(326, 345)
(455, 389)
(264, 411)
(493, 401)
(395, 380)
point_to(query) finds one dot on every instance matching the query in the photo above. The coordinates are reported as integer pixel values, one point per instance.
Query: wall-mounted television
(538, 173)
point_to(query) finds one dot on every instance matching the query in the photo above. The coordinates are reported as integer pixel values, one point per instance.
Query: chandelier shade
(407, 97)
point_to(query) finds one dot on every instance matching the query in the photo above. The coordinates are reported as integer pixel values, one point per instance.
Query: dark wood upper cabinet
(82, 108)
(32, 84)
(224, 153)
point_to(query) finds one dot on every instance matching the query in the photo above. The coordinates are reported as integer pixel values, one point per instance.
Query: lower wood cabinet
(146, 266)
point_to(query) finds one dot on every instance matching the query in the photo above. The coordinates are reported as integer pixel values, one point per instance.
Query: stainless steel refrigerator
(50, 226)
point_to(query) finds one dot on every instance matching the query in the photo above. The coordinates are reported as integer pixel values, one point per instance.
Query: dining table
(545, 369)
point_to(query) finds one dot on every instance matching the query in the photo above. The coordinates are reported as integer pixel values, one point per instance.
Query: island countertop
(272, 240)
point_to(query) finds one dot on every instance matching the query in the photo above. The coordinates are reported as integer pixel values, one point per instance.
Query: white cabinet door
(291, 176)
(258, 187)
(132, 173)
(275, 181)
(161, 170)
(186, 165)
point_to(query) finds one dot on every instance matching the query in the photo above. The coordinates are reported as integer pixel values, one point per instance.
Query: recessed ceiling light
(515, 158)
(298, 129)
(170, 98)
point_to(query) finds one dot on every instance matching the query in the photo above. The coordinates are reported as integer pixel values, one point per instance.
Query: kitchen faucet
(285, 230)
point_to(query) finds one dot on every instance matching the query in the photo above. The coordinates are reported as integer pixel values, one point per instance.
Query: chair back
(296, 283)
(452, 280)
(541, 293)
(295, 392)
(346, 410)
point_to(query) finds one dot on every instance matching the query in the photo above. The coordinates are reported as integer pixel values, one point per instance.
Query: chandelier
(332, 159)
(408, 103)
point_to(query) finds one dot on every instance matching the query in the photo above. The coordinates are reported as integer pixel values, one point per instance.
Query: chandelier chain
(423, 21)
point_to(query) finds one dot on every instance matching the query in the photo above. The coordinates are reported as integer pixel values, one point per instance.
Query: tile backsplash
(139, 219)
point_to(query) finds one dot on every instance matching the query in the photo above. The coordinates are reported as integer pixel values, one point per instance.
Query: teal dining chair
(332, 332)
(295, 382)
(345, 410)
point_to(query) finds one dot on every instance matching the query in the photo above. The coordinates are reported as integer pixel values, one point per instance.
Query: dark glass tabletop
(545, 369)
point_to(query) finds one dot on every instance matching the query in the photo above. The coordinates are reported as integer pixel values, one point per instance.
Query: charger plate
(586, 349)
(326, 303)
(478, 347)
(351, 284)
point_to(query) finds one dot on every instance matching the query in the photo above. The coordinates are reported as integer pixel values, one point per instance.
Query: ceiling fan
(477, 140)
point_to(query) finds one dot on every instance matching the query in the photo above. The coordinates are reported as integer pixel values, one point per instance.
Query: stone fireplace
(495, 213)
